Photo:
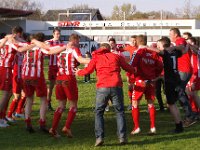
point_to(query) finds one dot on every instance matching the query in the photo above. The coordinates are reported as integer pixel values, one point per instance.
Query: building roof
(11, 13)
(52, 15)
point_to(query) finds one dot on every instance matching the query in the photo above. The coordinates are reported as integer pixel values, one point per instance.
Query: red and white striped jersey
(195, 62)
(32, 67)
(53, 58)
(67, 61)
(7, 55)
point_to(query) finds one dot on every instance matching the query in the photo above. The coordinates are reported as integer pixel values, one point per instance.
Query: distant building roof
(11, 13)
(52, 15)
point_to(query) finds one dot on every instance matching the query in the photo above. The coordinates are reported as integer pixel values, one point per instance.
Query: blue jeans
(182, 96)
(116, 96)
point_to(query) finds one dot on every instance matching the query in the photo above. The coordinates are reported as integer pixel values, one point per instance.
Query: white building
(101, 31)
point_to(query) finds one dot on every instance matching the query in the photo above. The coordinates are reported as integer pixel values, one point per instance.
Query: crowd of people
(173, 61)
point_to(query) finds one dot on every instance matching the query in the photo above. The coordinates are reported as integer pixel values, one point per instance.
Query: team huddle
(22, 75)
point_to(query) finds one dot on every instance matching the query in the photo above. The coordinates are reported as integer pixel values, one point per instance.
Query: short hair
(105, 45)
(56, 29)
(165, 41)
(192, 39)
(188, 34)
(112, 39)
(17, 29)
(39, 36)
(141, 39)
(73, 37)
(176, 30)
(134, 36)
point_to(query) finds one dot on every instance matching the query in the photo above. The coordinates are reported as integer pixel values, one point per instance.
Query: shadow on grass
(15, 137)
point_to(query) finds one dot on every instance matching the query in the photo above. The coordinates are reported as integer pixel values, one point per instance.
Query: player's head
(163, 43)
(56, 33)
(112, 43)
(105, 46)
(141, 40)
(39, 36)
(187, 35)
(192, 41)
(133, 40)
(74, 39)
(174, 34)
(17, 31)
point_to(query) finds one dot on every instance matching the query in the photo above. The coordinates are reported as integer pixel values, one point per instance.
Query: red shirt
(184, 62)
(32, 67)
(107, 66)
(7, 55)
(130, 49)
(53, 58)
(195, 62)
(67, 61)
(148, 64)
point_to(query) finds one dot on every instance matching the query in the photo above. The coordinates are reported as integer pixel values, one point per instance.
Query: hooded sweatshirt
(108, 66)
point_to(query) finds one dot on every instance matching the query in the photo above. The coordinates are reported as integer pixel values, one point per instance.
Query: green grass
(16, 138)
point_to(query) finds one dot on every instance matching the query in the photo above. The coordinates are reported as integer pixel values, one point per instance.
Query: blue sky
(106, 6)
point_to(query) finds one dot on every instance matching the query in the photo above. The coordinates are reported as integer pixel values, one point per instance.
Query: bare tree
(24, 5)
(125, 11)
(81, 6)
(20, 4)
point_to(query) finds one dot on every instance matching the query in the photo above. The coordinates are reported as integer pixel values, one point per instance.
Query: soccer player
(171, 78)
(66, 84)
(7, 58)
(34, 81)
(53, 69)
(19, 96)
(149, 67)
(194, 84)
(185, 72)
(109, 86)
(131, 48)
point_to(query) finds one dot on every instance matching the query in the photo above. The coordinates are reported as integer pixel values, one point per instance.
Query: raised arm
(82, 60)
(25, 48)
(3, 42)
(40, 44)
(56, 50)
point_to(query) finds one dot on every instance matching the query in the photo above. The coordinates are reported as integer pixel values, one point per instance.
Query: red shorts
(37, 85)
(17, 82)
(66, 88)
(140, 89)
(197, 85)
(5, 79)
(52, 73)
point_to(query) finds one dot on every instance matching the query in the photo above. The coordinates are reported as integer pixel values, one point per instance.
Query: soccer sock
(130, 95)
(136, 116)
(12, 108)
(20, 105)
(192, 103)
(42, 123)
(56, 118)
(5, 109)
(152, 115)
(1, 115)
(70, 117)
(28, 122)
(179, 126)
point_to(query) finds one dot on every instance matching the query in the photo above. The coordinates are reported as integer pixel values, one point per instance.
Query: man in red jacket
(109, 87)
(149, 66)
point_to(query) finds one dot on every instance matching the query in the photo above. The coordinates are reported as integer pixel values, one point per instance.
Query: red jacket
(184, 62)
(148, 64)
(107, 66)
